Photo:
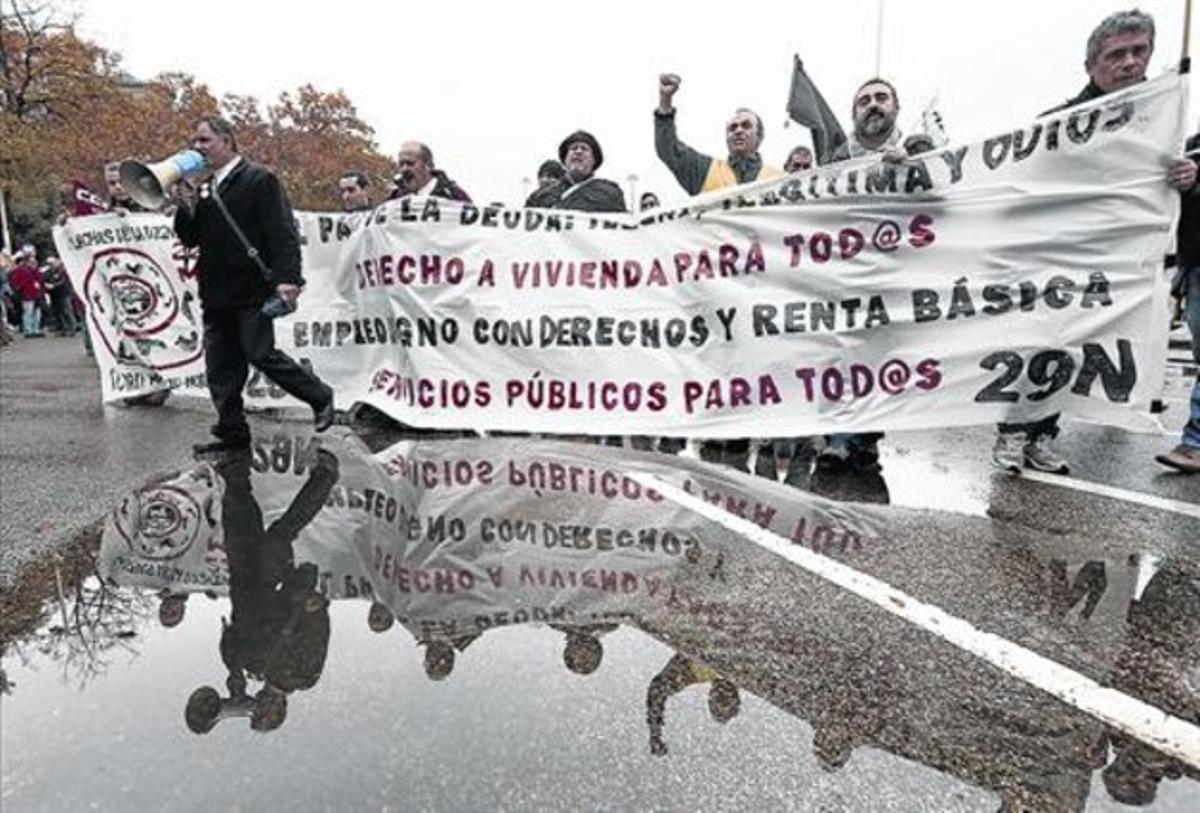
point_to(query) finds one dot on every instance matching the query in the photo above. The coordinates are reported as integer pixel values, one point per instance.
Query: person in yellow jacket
(697, 172)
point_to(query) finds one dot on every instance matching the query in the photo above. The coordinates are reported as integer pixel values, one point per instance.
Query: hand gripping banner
(1002, 280)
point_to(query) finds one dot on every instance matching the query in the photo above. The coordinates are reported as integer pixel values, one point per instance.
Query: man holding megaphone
(249, 273)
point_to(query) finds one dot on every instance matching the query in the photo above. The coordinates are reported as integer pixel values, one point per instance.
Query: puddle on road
(916, 480)
(517, 623)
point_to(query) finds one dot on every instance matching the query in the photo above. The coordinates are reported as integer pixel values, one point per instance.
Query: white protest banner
(455, 537)
(1006, 279)
(169, 534)
(143, 308)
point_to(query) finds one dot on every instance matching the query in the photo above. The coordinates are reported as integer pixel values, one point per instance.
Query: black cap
(586, 138)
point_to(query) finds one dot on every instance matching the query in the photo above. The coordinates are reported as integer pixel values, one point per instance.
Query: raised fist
(669, 83)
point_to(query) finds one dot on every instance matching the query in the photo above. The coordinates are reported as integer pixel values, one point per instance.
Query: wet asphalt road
(829, 704)
(64, 458)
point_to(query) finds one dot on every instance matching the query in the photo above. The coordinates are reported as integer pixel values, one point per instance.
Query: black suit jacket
(1189, 220)
(257, 201)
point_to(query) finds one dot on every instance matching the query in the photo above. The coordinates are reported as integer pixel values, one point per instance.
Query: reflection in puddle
(917, 480)
(254, 583)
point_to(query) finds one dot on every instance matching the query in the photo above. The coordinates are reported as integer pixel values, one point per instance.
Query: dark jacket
(279, 630)
(1189, 218)
(443, 188)
(590, 195)
(1089, 92)
(55, 280)
(229, 278)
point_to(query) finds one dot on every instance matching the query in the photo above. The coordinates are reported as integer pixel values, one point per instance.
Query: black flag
(808, 108)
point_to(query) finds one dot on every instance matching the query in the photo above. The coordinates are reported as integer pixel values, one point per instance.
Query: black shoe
(798, 472)
(766, 465)
(672, 445)
(833, 460)
(366, 418)
(220, 446)
(865, 461)
(323, 416)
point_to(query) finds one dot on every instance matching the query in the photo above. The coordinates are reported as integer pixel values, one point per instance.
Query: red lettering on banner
(424, 270)
(891, 377)
(731, 393)
(850, 241)
(681, 268)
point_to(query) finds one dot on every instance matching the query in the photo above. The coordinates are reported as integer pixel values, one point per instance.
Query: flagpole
(1187, 29)
(879, 38)
(7, 241)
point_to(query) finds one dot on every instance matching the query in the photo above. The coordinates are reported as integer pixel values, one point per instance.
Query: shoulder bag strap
(251, 251)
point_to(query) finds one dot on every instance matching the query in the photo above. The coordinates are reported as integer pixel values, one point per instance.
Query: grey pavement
(720, 675)
(835, 705)
(64, 457)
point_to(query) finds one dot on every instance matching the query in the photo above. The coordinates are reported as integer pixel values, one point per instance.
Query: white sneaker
(1009, 451)
(1039, 456)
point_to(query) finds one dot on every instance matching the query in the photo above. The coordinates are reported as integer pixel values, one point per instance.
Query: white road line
(1152, 726)
(1190, 509)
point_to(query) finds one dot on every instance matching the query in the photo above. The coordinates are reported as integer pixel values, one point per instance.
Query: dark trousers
(64, 310)
(1047, 427)
(235, 339)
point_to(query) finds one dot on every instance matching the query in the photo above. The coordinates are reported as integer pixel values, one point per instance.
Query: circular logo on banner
(139, 311)
(159, 522)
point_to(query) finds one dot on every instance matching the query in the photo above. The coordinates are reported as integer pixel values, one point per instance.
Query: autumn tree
(67, 108)
(47, 78)
(309, 137)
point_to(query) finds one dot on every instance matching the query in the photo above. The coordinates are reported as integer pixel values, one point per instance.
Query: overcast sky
(493, 87)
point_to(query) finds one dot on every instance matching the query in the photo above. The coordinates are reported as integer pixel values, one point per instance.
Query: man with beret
(580, 190)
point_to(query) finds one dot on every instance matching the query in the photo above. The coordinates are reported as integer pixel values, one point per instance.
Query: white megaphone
(149, 184)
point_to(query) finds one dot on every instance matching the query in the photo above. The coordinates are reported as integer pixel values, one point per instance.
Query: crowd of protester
(1117, 56)
(36, 296)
